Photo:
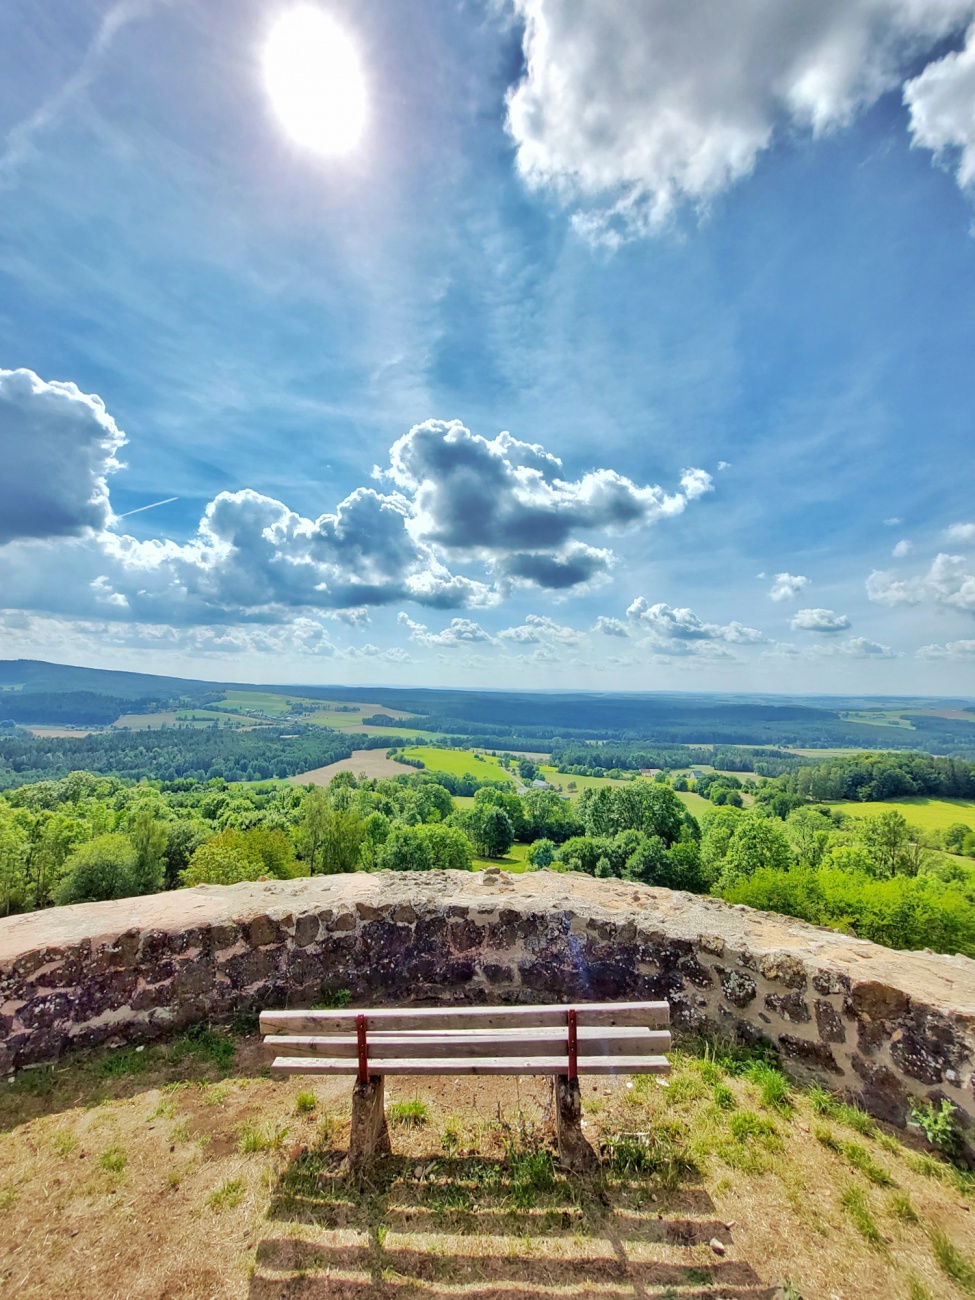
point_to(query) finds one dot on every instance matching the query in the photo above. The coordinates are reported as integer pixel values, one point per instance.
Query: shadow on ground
(492, 1229)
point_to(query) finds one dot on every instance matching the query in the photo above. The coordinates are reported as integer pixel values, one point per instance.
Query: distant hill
(98, 696)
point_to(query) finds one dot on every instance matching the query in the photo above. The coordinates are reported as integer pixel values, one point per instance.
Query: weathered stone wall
(882, 1025)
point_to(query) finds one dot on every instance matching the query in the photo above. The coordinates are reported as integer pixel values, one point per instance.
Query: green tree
(449, 848)
(406, 849)
(148, 836)
(342, 834)
(103, 868)
(491, 831)
(757, 842)
(541, 854)
(14, 850)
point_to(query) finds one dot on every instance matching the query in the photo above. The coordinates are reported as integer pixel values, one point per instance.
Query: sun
(314, 77)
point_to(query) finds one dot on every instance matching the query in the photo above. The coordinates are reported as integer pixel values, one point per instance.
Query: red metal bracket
(573, 1045)
(360, 1033)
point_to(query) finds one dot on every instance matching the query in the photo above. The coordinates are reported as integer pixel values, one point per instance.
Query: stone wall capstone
(882, 1026)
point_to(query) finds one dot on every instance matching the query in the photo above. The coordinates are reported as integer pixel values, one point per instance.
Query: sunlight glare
(314, 77)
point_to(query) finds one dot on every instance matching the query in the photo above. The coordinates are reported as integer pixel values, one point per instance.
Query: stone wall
(881, 1025)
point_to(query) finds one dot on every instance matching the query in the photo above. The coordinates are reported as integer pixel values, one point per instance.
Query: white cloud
(786, 586)
(892, 522)
(942, 107)
(508, 503)
(57, 447)
(960, 533)
(860, 647)
(946, 583)
(459, 632)
(610, 626)
(903, 547)
(668, 625)
(627, 111)
(503, 508)
(819, 620)
(538, 629)
(951, 650)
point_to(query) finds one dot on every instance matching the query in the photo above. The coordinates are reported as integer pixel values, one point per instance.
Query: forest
(89, 836)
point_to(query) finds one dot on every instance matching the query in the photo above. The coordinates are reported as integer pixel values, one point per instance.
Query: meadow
(928, 814)
(458, 762)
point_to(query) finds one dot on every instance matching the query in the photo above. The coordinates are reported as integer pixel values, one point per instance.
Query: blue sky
(710, 269)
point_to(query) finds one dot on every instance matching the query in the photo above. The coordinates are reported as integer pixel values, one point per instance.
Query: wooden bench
(562, 1041)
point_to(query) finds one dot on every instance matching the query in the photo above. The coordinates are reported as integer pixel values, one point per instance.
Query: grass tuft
(952, 1262)
(113, 1160)
(773, 1084)
(260, 1137)
(227, 1196)
(411, 1114)
(899, 1205)
(305, 1103)
(854, 1202)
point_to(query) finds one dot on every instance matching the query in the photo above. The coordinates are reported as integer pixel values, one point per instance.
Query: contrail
(139, 509)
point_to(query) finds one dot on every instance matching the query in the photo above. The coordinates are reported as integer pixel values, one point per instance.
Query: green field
(694, 803)
(929, 814)
(562, 780)
(458, 762)
(515, 860)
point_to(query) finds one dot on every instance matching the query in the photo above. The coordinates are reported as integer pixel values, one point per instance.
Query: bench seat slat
(626, 1041)
(648, 1014)
(287, 1065)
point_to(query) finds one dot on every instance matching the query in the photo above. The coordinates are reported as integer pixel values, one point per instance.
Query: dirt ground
(183, 1171)
(371, 761)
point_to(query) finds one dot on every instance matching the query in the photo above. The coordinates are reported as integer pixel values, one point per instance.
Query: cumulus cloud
(903, 547)
(668, 625)
(960, 532)
(459, 632)
(57, 448)
(941, 102)
(448, 501)
(819, 620)
(610, 626)
(948, 582)
(786, 586)
(539, 628)
(627, 111)
(508, 503)
(950, 650)
(860, 647)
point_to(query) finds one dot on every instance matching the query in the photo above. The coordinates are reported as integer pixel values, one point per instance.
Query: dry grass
(178, 1172)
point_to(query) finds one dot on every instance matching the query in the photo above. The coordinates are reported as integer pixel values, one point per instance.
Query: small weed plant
(411, 1114)
(305, 1103)
(938, 1124)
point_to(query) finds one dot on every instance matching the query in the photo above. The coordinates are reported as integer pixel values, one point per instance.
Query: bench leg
(575, 1153)
(369, 1135)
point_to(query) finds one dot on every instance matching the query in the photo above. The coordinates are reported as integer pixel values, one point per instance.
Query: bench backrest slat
(391, 1019)
(628, 1041)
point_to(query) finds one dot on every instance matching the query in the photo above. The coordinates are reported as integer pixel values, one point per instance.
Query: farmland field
(929, 814)
(145, 721)
(458, 762)
(373, 762)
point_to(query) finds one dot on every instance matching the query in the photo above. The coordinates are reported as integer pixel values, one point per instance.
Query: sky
(619, 345)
